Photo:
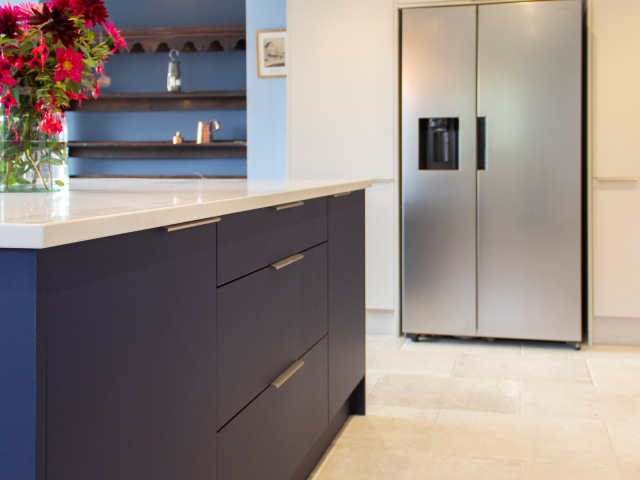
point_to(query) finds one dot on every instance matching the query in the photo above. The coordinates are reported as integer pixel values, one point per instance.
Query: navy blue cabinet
(266, 321)
(271, 436)
(346, 301)
(225, 351)
(130, 357)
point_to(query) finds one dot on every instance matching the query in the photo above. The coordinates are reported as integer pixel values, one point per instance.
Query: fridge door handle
(481, 139)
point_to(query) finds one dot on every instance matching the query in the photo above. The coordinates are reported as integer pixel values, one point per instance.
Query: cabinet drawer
(249, 241)
(273, 434)
(266, 321)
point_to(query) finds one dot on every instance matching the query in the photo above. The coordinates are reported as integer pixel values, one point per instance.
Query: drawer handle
(286, 206)
(344, 194)
(287, 261)
(195, 223)
(287, 374)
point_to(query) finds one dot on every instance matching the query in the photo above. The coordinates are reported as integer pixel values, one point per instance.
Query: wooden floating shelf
(184, 39)
(157, 101)
(159, 150)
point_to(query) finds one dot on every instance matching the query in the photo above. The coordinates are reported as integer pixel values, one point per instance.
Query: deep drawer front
(272, 435)
(251, 240)
(266, 321)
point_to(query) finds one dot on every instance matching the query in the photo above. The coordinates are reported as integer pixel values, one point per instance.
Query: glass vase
(30, 160)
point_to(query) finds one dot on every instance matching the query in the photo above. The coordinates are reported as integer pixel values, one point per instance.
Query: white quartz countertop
(95, 208)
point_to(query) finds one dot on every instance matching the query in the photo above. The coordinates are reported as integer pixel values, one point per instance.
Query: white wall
(343, 122)
(614, 41)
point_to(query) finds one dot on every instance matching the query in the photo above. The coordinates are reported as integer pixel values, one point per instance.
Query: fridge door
(529, 196)
(439, 192)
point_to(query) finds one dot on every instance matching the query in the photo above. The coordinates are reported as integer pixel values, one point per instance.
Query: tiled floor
(451, 409)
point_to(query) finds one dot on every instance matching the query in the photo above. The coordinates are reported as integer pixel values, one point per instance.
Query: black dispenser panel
(438, 143)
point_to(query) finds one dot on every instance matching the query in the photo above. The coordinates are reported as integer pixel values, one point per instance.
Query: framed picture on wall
(272, 51)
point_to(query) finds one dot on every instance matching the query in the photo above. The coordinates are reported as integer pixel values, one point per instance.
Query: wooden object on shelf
(216, 38)
(158, 101)
(159, 150)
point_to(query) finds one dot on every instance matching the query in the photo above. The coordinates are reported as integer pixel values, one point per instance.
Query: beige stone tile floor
(449, 409)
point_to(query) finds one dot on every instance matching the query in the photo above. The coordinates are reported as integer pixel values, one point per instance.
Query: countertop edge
(46, 235)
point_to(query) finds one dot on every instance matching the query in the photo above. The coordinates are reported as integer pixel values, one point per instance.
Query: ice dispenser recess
(438, 143)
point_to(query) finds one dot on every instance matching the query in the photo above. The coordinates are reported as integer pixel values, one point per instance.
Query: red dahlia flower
(93, 11)
(69, 65)
(9, 21)
(60, 3)
(55, 20)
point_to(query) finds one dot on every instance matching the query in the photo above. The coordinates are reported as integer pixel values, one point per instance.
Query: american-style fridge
(492, 170)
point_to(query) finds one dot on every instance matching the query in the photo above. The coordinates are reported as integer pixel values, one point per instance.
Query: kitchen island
(191, 329)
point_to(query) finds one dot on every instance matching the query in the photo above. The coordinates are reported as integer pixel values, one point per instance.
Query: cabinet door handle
(287, 261)
(195, 223)
(286, 206)
(344, 194)
(287, 374)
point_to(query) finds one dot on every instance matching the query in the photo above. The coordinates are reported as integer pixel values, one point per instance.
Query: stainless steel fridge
(492, 170)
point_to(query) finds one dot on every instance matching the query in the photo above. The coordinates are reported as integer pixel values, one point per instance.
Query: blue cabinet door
(346, 301)
(130, 355)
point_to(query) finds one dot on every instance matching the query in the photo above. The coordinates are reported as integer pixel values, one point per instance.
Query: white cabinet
(615, 78)
(616, 267)
(614, 106)
(342, 115)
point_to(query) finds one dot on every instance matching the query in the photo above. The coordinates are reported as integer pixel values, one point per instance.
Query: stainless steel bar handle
(287, 374)
(195, 223)
(287, 261)
(286, 206)
(343, 194)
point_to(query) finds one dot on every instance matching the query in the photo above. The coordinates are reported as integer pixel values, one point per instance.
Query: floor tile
(533, 439)
(454, 409)
(450, 393)
(631, 474)
(450, 467)
(524, 368)
(384, 342)
(390, 433)
(585, 401)
(615, 370)
(411, 363)
(545, 471)
(352, 463)
(459, 345)
(625, 437)
(371, 380)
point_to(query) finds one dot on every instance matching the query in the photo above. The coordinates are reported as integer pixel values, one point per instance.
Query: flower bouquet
(50, 54)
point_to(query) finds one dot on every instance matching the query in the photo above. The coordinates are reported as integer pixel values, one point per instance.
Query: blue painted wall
(143, 72)
(267, 98)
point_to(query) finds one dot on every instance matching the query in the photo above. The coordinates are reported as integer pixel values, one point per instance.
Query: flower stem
(38, 172)
(7, 173)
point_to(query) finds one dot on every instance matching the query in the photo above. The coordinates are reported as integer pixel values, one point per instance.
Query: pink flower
(118, 41)
(69, 65)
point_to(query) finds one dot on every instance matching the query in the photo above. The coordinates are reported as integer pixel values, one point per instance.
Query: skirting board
(616, 331)
(382, 322)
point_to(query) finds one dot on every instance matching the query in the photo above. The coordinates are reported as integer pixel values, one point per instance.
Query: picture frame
(272, 52)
